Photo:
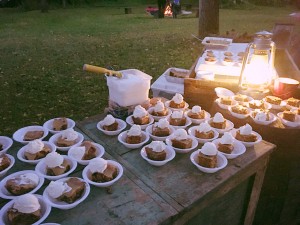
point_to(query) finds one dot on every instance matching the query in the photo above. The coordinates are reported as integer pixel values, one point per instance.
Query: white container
(131, 89)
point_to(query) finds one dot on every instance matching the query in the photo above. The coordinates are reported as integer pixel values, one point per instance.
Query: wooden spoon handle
(97, 69)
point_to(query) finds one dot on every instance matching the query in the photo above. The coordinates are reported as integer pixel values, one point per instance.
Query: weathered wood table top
(171, 194)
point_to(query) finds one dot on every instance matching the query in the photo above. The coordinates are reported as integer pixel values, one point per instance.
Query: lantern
(258, 73)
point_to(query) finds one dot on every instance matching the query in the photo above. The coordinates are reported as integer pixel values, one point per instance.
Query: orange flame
(168, 11)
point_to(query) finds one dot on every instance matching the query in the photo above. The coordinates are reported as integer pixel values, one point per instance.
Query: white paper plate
(55, 137)
(274, 106)
(223, 106)
(167, 104)
(188, 122)
(121, 126)
(19, 134)
(86, 174)
(179, 150)
(289, 123)
(216, 42)
(273, 118)
(6, 143)
(229, 126)
(4, 193)
(192, 132)
(238, 149)
(238, 115)
(143, 127)
(49, 125)
(99, 153)
(64, 205)
(122, 137)
(266, 105)
(247, 144)
(223, 92)
(156, 138)
(12, 162)
(198, 121)
(170, 154)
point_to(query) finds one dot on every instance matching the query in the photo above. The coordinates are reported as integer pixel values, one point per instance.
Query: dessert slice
(204, 131)
(288, 115)
(32, 135)
(161, 128)
(293, 102)
(35, 150)
(1, 146)
(245, 134)
(159, 109)
(68, 138)
(257, 104)
(140, 116)
(90, 150)
(261, 115)
(179, 74)
(22, 184)
(156, 151)
(177, 118)
(208, 155)
(134, 135)
(4, 162)
(226, 100)
(177, 101)
(101, 171)
(56, 164)
(241, 98)
(196, 113)
(226, 143)
(110, 123)
(239, 109)
(273, 100)
(218, 121)
(181, 140)
(60, 124)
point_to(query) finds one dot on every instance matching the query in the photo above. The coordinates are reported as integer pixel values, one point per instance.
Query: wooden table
(176, 193)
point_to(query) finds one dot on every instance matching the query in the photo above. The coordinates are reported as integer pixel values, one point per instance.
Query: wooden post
(208, 17)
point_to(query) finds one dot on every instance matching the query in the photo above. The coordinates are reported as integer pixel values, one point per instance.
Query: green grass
(41, 55)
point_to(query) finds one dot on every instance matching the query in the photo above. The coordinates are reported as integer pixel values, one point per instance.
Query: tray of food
(216, 42)
(176, 75)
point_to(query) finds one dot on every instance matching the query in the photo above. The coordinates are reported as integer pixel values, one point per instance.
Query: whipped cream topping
(78, 152)
(135, 130)
(177, 98)
(69, 134)
(196, 109)
(1, 159)
(162, 123)
(209, 149)
(180, 134)
(159, 107)
(29, 178)
(139, 112)
(177, 114)
(54, 159)
(204, 128)
(97, 165)
(218, 118)
(157, 146)
(58, 188)
(35, 146)
(246, 130)
(109, 120)
(27, 203)
(227, 139)
(261, 116)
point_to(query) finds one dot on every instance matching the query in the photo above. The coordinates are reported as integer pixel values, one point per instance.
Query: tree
(44, 6)
(208, 17)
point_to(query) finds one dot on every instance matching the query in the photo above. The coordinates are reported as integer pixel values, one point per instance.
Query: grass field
(41, 55)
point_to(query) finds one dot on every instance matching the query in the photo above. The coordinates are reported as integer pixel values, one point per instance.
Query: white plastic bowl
(198, 121)
(122, 137)
(223, 92)
(167, 104)
(21, 152)
(243, 102)
(100, 152)
(4, 193)
(238, 149)
(289, 123)
(290, 107)
(274, 106)
(121, 126)
(223, 106)
(12, 162)
(227, 63)
(64, 205)
(192, 131)
(229, 126)
(86, 174)
(188, 122)
(6, 143)
(49, 125)
(45, 210)
(247, 144)
(40, 168)
(170, 154)
(55, 137)
(157, 118)
(157, 138)
(143, 127)
(273, 118)
(238, 115)
(179, 150)
(221, 162)
(19, 134)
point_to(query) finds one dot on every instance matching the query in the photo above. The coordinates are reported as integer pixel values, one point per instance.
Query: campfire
(168, 10)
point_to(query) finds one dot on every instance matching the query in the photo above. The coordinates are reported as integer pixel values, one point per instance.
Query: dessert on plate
(101, 171)
(288, 115)
(261, 115)
(156, 151)
(177, 73)
(161, 128)
(245, 134)
(110, 123)
(181, 139)
(293, 102)
(26, 210)
(257, 104)
(134, 135)
(208, 155)
(177, 118)
(241, 98)
(35, 150)
(226, 143)
(273, 100)
(210, 53)
(60, 124)
(1, 146)
(85, 151)
(32, 135)
(4, 162)
(56, 164)
(226, 100)
(177, 101)
(204, 131)
(67, 138)
(228, 54)
(22, 184)
(210, 59)
(218, 121)
(239, 109)
(159, 109)
(196, 113)
(140, 116)
(67, 191)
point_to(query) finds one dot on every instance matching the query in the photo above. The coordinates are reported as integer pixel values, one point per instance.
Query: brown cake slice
(177, 121)
(199, 115)
(90, 150)
(204, 135)
(179, 74)
(5, 162)
(61, 142)
(241, 98)
(182, 144)
(1, 147)
(111, 127)
(207, 160)
(293, 102)
(39, 155)
(267, 112)
(257, 105)
(245, 138)
(226, 101)
(156, 156)
(16, 188)
(226, 148)
(161, 113)
(160, 132)
(133, 139)
(65, 167)
(273, 100)
(239, 109)
(221, 125)
(32, 135)
(177, 106)
(17, 218)
(141, 120)
(288, 115)
(109, 174)
(77, 189)
(60, 124)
